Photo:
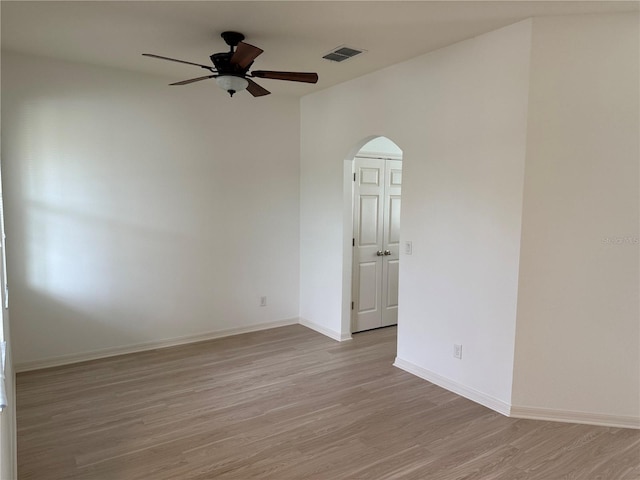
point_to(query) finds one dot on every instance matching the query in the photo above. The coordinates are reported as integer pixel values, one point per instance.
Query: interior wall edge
(327, 332)
(458, 388)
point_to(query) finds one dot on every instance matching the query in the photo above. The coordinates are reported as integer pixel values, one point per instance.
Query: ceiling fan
(231, 69)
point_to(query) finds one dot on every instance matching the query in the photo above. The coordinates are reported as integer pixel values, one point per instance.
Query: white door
(376, 242)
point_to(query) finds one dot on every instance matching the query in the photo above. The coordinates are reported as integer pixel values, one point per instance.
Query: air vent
(340, 54)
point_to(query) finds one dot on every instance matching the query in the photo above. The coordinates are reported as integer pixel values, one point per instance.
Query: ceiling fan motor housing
(222, 62)
(232, 38)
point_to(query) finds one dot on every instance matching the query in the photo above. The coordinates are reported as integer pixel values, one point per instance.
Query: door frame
(347, 230)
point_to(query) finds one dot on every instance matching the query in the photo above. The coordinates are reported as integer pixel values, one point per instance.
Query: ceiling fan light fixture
(231, 69)
(232, 83)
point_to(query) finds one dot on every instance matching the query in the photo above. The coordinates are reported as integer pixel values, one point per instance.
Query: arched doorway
(372, 219)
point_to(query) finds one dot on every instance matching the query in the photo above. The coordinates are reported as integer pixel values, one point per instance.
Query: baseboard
(514, 411)
(325, 331)
(455, 387)
(552, 415)
(141, 347)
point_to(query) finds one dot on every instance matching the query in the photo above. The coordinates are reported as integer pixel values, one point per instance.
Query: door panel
(370, 176)
(391, 220)
(376, 243)
(368, 222)
(369, 219)
(394, 220)
(396, 175)
(392, 280)
(368, 291)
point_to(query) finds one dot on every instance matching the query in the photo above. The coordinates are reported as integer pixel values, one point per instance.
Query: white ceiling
(294, 34)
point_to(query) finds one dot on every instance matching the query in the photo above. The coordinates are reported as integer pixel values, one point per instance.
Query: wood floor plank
(286, 404)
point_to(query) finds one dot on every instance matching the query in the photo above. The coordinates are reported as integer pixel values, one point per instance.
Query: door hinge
(351, 305)
(354, 177)
(353, 242)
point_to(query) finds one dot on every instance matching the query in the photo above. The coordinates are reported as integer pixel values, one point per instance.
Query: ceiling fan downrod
(232, 39)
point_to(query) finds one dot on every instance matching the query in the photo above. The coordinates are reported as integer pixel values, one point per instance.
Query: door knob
(379, 253)
(387, 252)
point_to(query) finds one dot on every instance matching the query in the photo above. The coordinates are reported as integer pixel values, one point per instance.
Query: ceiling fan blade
(256, 90)
(291, 76)
(176, 60)
(245, 54)
(191, 80)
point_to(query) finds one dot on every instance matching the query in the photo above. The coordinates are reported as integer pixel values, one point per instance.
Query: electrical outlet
(263, 301)
(457, 351)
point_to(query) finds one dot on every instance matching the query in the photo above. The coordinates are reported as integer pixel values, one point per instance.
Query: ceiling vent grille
(340, 54)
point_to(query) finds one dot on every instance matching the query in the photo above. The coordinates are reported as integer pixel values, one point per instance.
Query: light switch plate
(408, 247)
(457, 351)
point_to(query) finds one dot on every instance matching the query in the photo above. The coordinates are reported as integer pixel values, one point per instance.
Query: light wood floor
(283, 404)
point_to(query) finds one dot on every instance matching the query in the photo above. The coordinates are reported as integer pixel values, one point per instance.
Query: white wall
(138, 212)
(578, 319)
(459, 116)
